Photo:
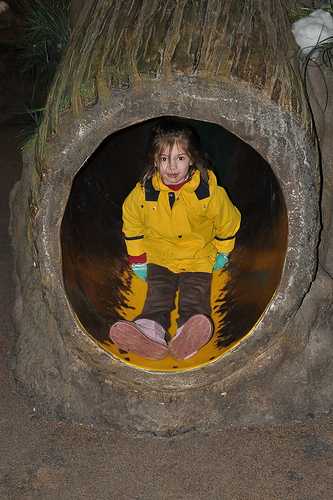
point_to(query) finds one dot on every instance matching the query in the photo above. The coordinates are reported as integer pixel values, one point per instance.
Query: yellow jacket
(180, 230)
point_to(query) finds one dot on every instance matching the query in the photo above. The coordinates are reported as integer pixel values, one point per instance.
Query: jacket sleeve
(133, 227)
(226, 219)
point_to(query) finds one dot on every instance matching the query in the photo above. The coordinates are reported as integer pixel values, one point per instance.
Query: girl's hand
(221, 260)
(140, 270)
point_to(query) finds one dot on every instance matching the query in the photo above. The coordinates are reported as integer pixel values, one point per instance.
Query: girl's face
(173, 164)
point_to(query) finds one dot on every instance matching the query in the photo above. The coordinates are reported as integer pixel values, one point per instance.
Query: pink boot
(190, 337)
(143, 337)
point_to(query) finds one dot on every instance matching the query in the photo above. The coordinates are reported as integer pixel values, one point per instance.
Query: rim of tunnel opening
(90, 272)
(283, 138)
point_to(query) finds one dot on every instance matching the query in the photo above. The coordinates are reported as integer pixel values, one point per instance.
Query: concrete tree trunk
(231, 64)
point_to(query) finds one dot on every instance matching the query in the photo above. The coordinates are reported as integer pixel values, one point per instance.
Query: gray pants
(194, 295)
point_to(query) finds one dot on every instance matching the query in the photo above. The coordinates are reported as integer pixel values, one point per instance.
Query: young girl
(179, 225)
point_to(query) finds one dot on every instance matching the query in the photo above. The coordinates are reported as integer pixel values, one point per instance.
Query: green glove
(221, 260)
(140, 270)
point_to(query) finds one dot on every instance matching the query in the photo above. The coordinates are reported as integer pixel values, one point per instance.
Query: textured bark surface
(248, 42)
(224, 62)
(320, 87)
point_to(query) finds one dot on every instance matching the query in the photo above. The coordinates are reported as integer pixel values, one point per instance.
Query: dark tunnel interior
(97, 278)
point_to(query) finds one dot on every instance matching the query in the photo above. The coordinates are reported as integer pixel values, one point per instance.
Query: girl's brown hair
(164, 135)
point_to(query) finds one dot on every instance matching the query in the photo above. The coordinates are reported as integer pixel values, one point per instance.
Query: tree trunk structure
(230, 69)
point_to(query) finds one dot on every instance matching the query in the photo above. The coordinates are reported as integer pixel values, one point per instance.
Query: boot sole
(196, 332)
(131, 338)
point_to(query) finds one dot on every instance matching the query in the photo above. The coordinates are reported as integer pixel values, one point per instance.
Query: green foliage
(325, 58)
(300, 10)
(30, 132)
(42, 42)
(325, 48)
(321, 54)
(44, 38)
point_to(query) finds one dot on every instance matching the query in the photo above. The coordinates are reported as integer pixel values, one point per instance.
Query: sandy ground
(43, 459)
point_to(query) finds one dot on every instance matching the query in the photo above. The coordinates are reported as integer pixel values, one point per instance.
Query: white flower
(311, 30)
(3, 7)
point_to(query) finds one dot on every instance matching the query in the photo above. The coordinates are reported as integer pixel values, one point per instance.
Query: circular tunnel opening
(97, 277)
